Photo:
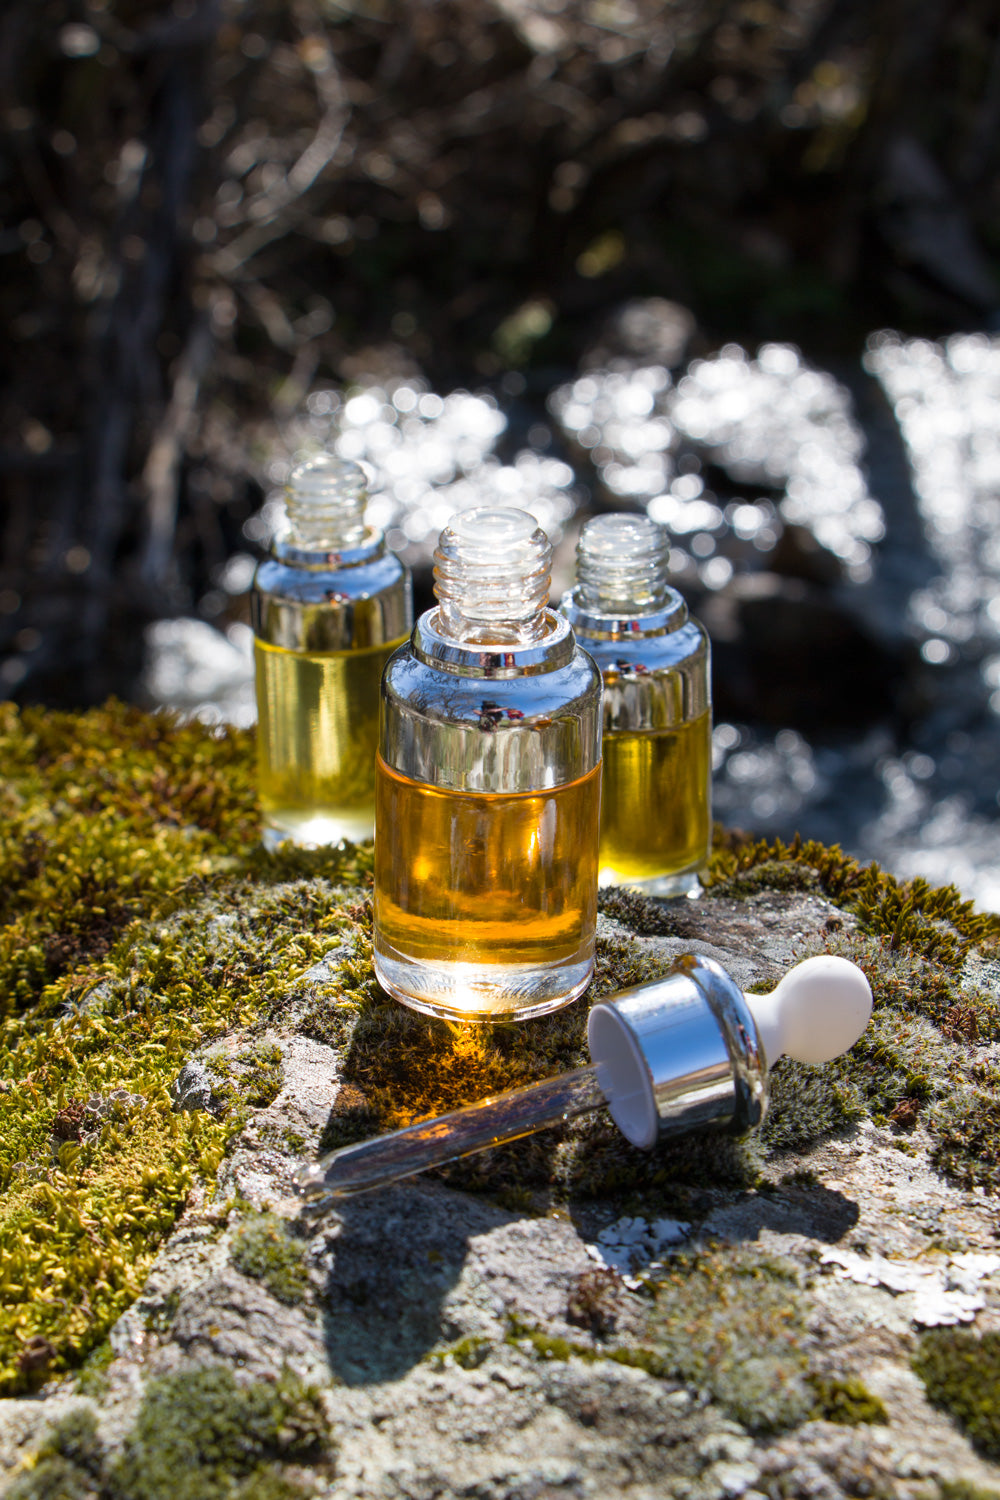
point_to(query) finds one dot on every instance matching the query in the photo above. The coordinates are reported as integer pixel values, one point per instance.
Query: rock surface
(462, 1347)
(187, 1021)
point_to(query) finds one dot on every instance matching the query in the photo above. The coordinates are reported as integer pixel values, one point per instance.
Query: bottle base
(481, 992)
(677, 883)
(309, 830)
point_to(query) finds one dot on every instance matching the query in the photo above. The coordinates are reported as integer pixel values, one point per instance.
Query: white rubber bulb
(817, 1012)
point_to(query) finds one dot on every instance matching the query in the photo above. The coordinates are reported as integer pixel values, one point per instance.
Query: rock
(193, 1089)
(563, 1316)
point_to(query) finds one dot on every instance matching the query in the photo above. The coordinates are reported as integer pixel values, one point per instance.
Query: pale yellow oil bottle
(656, 809)
(316, 728)
(669, 770)
(329, 607)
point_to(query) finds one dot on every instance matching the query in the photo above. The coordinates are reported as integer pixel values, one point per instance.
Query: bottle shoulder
(278, 578)
(686, 646)
(331, 609)
(423, 689)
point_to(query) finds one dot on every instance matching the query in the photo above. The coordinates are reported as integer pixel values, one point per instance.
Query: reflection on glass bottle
(656, 819)
(488, 797)
(329, 607)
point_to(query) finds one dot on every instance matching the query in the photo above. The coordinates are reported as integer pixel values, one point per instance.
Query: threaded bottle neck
(492, 570)
(621, 566)
(325, 500)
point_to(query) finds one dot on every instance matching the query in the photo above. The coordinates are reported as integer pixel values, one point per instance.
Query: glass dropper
(682, 1052)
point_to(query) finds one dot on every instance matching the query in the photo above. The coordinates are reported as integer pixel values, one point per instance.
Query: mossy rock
(142, 926)
(199, 1434)
(961, 1370)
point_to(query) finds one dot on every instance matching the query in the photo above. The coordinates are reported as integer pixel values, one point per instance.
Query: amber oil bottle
(488, 788)
(656, 819)
(328, 607)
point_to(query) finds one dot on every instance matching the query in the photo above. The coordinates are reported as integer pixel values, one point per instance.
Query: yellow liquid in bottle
(655, 809)
(316, 741)
(485, 903)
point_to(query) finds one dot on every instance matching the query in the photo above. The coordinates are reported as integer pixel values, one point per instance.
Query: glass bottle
(656, 817)
(329, 607)
(488, 788)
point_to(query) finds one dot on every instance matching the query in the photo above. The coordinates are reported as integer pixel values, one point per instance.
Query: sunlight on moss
(141, 926)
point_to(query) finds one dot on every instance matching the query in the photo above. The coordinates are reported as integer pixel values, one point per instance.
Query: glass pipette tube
(431, 1143)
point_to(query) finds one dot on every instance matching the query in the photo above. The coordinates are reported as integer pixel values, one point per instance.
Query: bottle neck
(325, 501)
(492, 570)
(622, 564)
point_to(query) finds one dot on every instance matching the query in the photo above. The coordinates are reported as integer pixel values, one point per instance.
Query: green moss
(636, 911)
(154, 823)
(140, 925)
(964, 1489)
(961, 1371)
(468, 1353)
(67, 1466)
(807, 1103)
(847, 1401)
(934, 921)
(263, 1248)
(769, 875)
(253, 1076)
(92, 1379)
(200, 1435)
(554, 1348)
(967, 1148)
(52, 1478)
(734, 1326)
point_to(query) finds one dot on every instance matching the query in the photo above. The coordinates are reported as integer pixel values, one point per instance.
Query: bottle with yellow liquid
(488, 788)
(656, 815)
(329, 607)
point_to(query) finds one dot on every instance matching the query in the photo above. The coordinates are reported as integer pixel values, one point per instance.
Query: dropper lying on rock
(683, 1052)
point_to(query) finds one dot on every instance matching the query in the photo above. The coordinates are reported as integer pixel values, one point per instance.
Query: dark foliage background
(208, 206)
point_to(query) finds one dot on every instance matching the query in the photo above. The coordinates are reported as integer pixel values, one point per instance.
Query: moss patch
(94, 1163)
(199, 1430)
(467, 1353)
(933, 921)
(846, 1401)
(199, 1435)
(807, 1103)
(961, 1371)
(732, 1325)
(916, 1063)
(263, 1248)
(253, 1076)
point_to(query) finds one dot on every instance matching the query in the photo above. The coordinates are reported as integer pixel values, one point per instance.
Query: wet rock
(790, 651)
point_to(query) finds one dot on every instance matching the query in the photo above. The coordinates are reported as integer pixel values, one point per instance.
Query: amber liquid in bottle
(655, 813)
(317, 726)
(488, 788)
(486, 878)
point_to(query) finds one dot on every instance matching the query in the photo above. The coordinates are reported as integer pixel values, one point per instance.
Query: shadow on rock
(795, 1208)
(396, 1261)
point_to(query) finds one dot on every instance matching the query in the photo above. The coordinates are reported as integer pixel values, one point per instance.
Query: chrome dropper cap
(688, 1051)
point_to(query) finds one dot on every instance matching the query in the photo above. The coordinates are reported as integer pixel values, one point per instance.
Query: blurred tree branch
(208, 205)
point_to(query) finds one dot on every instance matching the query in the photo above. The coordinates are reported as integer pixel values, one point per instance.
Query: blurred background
(734, 262)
